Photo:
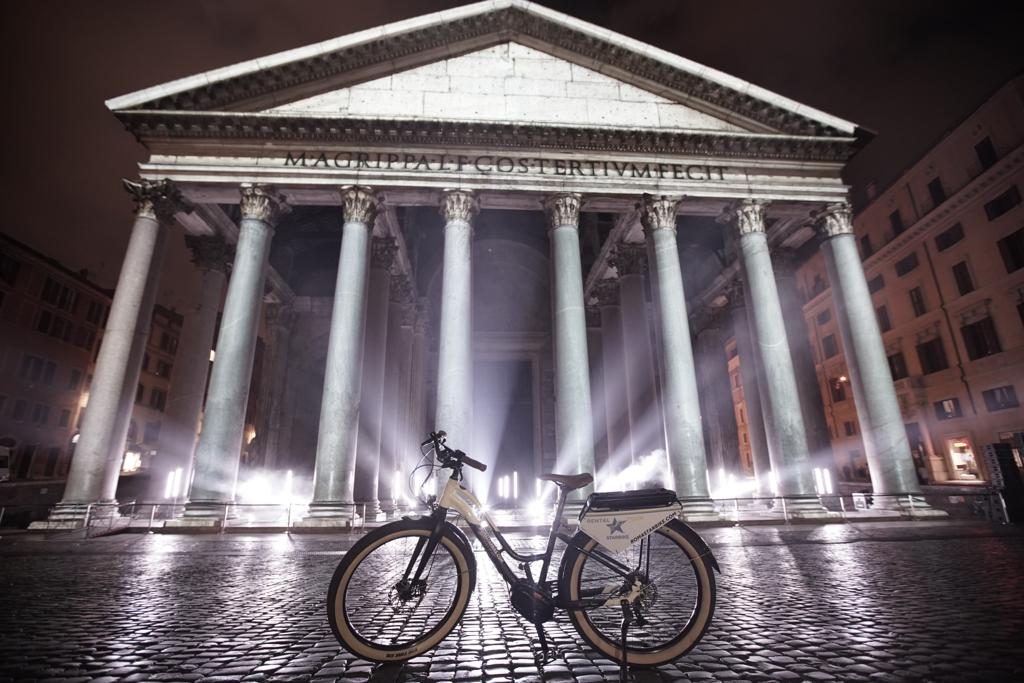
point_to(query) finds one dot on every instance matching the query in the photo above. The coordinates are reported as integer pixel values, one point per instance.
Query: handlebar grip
(475, 464)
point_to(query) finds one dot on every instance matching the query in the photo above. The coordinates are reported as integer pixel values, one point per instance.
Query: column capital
(658, 213)
(400, 291)
(629, 258)
(607, 292)
(382, 252)
(156, 199)
(262, 203)
(563, 209)
(210, 252)
(836, 220)
(359, 204)
(279, 315)
(748, 216)
(458, 205)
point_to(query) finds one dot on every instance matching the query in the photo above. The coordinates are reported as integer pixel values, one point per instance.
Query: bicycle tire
(570, 575)
(339, 596)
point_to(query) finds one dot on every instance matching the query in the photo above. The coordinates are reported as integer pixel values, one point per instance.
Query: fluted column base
(806, 507)
(699, 510)
(329, 514)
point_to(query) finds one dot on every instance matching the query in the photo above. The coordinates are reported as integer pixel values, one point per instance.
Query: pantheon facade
(500, 221)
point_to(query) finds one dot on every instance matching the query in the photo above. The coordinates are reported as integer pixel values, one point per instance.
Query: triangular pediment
(508, 83)
(491, 61)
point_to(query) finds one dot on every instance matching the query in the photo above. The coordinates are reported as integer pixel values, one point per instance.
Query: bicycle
(636, 581)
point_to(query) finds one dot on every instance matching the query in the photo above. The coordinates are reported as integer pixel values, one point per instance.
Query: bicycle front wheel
(374, 612)
(676, 600)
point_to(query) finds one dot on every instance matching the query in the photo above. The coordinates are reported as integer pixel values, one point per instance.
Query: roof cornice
(258, 84)
(150, 126)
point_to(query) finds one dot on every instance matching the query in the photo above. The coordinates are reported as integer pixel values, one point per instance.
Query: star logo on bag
(615, 527)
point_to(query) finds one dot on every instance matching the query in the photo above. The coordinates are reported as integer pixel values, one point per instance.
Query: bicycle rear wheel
(377, 616)
(677, 597)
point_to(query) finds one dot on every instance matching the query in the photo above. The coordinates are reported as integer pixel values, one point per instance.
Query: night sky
(908, 70)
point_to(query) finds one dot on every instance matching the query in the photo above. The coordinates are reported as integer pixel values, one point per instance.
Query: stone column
(371, 403)
(417, 428)
(211, 256)
(718, 412)
(819, 439)
(334, 474)
(455, 346)
(683, 433)
(885, 438)
(783, 417)
(220, 443)
(574, 422)
(646, 430)
(92, 479)
(391, 415)
(751, 393)
(279, 320)
(405, 438)
(613, 365)
(597, 393)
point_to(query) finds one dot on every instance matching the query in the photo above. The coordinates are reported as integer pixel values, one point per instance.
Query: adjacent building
(52, 320)
(943, 251)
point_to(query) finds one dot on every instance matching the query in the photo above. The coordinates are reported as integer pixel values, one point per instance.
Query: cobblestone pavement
(916, 603)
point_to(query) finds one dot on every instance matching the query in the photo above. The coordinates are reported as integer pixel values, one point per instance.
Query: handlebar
(448, 456)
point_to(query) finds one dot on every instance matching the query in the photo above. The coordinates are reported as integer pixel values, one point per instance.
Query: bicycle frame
(457, 497)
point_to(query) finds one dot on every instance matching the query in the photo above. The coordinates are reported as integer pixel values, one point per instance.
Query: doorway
(503, 429)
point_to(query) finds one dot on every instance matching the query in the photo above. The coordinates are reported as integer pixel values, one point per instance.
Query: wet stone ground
(844, 603)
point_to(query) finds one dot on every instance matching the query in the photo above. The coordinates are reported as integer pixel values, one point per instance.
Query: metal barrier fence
(983, 505)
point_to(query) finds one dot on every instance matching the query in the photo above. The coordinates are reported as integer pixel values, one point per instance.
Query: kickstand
(627, 619)
(545, 656)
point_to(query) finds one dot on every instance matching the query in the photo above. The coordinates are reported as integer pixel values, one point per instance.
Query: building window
(40, 414)
(898, 366)
(876, 283)
(980, 339)
(52, 457)
(829, 346)
(986, 153)
(850, 427)
(151, 432)
(145, 362)
(9, 268)
(964, 283)
(917, 302)
(96, 313)
(163, 368)
(1000, 398)
(947, 238)
(896, 221)
(817, 285)
(932, 355)
(140, 393)
(20, 410)
(905, 265)
(837, 387)
(947, 409)
(157, 399)
(3, 404)
(59, 296)
(1012, 249)
(884, 324)
(65, 418)
(85, 338)
(866, 249)
(824, 316)
(935, 189)
(36, 370)
(1003, 203)
(168, 343)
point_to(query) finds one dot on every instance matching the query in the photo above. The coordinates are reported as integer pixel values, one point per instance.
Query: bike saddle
(570, 482)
